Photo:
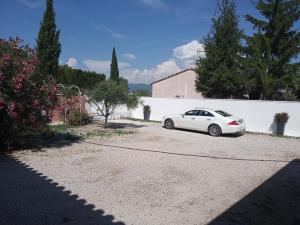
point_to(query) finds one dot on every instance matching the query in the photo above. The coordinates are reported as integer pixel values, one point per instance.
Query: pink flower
(6, 61)
(28, 66)
(18, 82)
(12, 110)
(36, 103)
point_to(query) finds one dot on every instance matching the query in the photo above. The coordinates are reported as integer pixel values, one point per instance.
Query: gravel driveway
(154, 176)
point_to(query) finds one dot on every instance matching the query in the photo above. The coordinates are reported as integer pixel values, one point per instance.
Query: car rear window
(222, 113)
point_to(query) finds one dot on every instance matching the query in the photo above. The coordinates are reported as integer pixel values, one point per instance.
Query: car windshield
(222, 113)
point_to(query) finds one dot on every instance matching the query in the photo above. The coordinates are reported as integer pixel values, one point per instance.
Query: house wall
(258, 115)
(179, 86)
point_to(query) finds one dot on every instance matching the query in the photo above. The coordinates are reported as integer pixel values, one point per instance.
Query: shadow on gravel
(275, 202)
(236, 135)
(55, 140)
(123, 125)
(29, 198)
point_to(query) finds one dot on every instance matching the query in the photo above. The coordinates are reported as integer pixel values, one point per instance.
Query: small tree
(219, 73)
(108, 95)
(114, 69)
(48, 45)
(273, 50)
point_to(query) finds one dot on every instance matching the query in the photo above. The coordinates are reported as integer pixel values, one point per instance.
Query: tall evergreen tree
(48, 45)
(273, 50)
(219, 73)
(114, 69)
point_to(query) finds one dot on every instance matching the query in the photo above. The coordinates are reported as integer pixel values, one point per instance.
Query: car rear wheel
(169, 124)
(214, 130)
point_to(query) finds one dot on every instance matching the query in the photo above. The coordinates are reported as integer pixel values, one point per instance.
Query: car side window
(191, 113)
(205, 113)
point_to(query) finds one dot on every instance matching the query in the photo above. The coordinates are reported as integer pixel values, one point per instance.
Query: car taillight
(233, 123)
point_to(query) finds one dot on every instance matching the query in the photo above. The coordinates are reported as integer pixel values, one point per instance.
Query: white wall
(119, 112)
(257, 114)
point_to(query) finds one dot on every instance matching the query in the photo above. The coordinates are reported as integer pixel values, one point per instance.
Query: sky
(153, 38)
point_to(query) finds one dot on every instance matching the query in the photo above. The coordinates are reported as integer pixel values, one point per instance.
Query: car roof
(203, 108)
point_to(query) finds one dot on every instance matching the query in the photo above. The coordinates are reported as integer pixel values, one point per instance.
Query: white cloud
(129, 56)
(155, 3)
(97, 65)
(149, 75)
(187, 54)
(72, 62)
(102, 66)
(184, 56)
(30, 4)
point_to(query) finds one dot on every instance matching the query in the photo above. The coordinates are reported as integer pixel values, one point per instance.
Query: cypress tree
(114, 69)
(219, 73)
(273, 50)
(48, 45)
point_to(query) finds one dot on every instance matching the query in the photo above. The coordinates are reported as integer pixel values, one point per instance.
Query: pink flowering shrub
(26, 97)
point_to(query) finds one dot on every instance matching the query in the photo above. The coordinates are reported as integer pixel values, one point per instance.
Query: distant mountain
(135, 87)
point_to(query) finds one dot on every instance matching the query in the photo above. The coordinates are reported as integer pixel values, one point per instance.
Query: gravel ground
(154, 176)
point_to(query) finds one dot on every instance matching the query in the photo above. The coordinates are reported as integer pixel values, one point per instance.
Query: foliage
(272, 51)
(297, 81)
(144, 93)
(27, 97)
(219, 73)
(76, 117)
(48, 45)
(114, 69)
(85, 80)
(147, 108)
(108, 95)
(281, 117)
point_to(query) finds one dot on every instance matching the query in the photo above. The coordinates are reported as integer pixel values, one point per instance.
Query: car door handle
(192, 118)
(208, 119)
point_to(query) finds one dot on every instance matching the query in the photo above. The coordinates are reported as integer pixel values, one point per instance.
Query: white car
(213, 121)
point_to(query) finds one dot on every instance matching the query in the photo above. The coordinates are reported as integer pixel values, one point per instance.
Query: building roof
(173, 75)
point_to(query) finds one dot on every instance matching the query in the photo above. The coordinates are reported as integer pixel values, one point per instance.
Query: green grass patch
(61, 128)
(107, 133)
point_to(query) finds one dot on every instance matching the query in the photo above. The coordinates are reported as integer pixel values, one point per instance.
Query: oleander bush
(26, 96)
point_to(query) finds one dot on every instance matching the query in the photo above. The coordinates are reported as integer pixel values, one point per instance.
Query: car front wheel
(169, 124)
(214, 130)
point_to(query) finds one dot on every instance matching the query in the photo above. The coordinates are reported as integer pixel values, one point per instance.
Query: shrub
(281, 117)
(26, 97)
(86, 118)
(75, 118)
(147, 108)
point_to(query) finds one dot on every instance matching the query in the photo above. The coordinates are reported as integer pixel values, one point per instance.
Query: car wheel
(169, 124)
(214, 130)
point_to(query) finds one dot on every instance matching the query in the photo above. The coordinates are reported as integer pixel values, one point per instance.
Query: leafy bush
(281, 117)
(26, 96)
(75, 118)
(147, 108)
(86, 118)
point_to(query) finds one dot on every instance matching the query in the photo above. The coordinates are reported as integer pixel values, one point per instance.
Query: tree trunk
(105, 122)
